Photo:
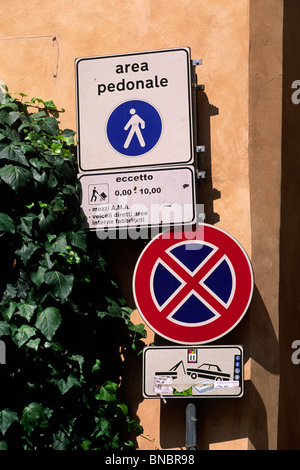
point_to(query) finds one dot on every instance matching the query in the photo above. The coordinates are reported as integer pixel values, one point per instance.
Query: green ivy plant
(61, 317)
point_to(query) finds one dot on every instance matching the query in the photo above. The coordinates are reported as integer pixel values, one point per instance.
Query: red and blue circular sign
(193, 287)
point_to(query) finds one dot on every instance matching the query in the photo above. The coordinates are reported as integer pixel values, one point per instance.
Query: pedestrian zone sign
(134, 110)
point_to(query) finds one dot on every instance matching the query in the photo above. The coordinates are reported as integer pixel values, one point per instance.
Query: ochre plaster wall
(265, 134)
(39, 43)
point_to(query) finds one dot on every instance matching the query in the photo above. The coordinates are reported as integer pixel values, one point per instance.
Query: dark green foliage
(61, 319)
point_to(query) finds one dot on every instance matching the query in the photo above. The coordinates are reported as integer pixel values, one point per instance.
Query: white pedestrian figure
(134, 122)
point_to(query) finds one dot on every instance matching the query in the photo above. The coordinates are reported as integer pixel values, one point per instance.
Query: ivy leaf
(39, 276)
(33, 344)
(6, 223)
(15, 176)
(13, 116)
(64, 386)
(9, 293)
(7, 417)
(85, 444)
(9, 311)
(22, 334)
(46, 262)
(48, 322)
(77, 239)
(59, 245)
(32, 414)
(61, 442)
(104, 426)
(60, 284)
(26, 252)
(46, 219)
(49, 125)
(13, 153)
(139, 329)
(4, 328)
(123, 407)
(114, 309)
(39, 164)
(26, 310)
(26, 223)
(96, 366)
(107, 392)
(23, 285)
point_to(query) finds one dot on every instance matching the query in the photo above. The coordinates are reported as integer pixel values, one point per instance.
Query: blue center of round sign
(193, 310)
(134, 128)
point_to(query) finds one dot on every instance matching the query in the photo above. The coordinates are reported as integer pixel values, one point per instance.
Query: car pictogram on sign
(208, 371)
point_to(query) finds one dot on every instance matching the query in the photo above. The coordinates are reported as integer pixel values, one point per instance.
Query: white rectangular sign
(152, 197)
(194, 371)
(134, 110)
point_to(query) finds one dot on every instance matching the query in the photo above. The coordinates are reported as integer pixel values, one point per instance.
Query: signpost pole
(191, 426)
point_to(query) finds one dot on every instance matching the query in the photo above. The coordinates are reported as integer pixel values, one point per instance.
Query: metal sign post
(191, 426)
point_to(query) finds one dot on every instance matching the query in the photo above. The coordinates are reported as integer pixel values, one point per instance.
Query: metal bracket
(201, 175)
(196, 62)
(201, 216)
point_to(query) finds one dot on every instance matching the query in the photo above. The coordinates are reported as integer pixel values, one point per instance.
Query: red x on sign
(193, 287)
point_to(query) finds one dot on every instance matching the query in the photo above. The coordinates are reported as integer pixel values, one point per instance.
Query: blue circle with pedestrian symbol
(134, 128)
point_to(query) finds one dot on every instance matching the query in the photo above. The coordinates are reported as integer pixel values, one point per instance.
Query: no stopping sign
(193, 287)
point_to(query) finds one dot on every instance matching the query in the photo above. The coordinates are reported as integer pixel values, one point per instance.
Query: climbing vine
(61, 316)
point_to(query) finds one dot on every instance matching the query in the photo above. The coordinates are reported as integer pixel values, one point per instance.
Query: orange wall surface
(239, 42)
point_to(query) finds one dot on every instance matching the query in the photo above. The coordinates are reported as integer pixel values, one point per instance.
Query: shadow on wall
(206, 193)
(259, 350)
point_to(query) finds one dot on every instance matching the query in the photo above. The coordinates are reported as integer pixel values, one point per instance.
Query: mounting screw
(196, 62)
(201, 175)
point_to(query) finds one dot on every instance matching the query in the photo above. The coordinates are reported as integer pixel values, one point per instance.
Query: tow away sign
(196, 371)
